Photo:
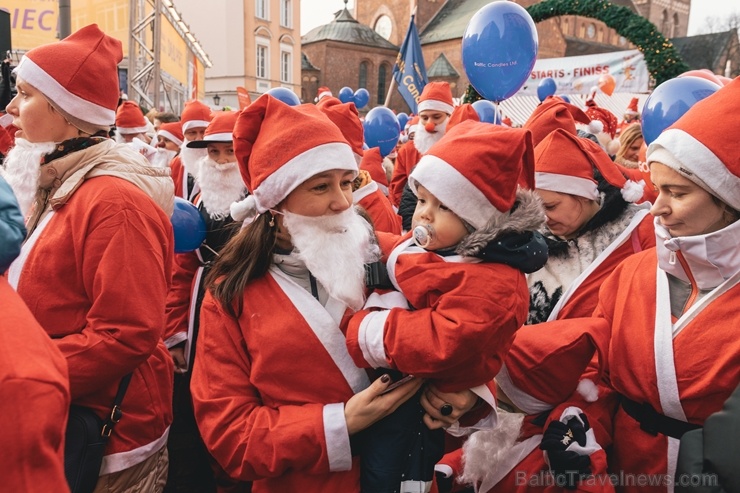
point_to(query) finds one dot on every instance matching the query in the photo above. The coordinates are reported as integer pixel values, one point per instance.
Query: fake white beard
(335, 248)
(423, 140)
(484, 450)
(190, 158)
(161, 158)
(22, 169)
(220, 186)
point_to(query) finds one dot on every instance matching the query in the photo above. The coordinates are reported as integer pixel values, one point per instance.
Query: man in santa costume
(541, 370)
(447, 321)
(33, 379)
(674, 347)
(132, 124)
(435, 107)
(95, 267)
(366, 191)
(631, 115)
(220, 186)
(194, 120)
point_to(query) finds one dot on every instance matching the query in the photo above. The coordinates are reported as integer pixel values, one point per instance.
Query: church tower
(670, 16)
(391, 19)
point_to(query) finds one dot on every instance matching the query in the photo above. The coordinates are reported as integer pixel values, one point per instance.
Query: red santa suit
(378, 207)
(448, 328)
(270, 409)
(408, 156)
(35, 401)
(669, 364)
(94, 273)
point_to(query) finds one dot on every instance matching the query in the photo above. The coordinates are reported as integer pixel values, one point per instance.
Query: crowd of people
(487, 308)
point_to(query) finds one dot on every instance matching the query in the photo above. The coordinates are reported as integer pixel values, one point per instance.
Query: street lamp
(216, 100)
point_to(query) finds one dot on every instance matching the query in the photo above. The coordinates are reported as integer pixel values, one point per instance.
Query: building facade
(441, 24)
(253, 44)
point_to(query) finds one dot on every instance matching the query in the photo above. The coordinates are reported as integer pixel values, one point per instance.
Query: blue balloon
(546, 87)
(381, 129)
(670, 100)
(403, 119)
(487, 112)
(499, 48)
(346, 95)
(361, 97)
(285, 95)
(188, 225)
(564, 98)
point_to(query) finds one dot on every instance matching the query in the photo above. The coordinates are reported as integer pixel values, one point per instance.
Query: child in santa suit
(366, 191)
(220, 186)
(674, 346)
(471, 225)
(435, 107)
(541, 370)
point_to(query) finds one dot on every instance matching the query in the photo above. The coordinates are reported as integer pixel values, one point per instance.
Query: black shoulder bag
(85, 441)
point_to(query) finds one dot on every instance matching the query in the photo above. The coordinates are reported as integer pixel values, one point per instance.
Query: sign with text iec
(578, 74)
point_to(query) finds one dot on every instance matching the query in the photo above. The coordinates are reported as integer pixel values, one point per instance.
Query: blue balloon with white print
(381, 129)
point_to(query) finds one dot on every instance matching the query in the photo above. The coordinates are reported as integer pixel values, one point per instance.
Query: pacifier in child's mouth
(423, 235)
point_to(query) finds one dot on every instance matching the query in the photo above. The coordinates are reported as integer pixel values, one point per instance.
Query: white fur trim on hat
(453, 189)
(193, 124)
(683, 153)
(244, 209)
(522, 400)
(169, 136)
(588, 390)
(322, 94)
(571, 185)
(324, 157)
(76, 106)
(132, 130)
(432, 104)
(632, 191)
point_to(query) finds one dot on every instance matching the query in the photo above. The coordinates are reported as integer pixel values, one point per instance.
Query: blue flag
(409, 71)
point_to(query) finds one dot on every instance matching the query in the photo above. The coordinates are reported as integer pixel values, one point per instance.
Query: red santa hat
(481, 182)
(130, 119)
(78, 74)
(323, 92)
(347, 119)
(195, 115)
(602, 120)
(278, 147)
(694, 148)
(462, 113)
(565, 163)
(544, 367)
(372, 162)
(632, 107)
(552, 114)
(412, 125)
(7, 133)
(436, 96)
(220, 130)
(172, 131)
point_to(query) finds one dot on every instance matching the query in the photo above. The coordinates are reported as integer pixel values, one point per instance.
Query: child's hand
(444, 408)
(372, 404)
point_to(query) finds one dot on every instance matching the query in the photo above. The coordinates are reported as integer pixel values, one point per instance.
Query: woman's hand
(371, 405)
(178, 357)
(444, 408)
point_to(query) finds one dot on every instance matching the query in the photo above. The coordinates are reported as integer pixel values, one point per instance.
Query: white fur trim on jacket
(76, 106)
(338, 449)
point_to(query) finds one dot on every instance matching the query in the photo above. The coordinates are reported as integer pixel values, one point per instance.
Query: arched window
(363, 75)
(664, 23)
(382, 89)
(674, 28)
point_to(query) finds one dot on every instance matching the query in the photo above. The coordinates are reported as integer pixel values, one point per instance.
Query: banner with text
(578, 74)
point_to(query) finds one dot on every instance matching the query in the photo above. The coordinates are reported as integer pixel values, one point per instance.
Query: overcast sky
(318, 12)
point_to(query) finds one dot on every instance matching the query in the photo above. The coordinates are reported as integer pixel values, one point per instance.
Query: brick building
(441, 25)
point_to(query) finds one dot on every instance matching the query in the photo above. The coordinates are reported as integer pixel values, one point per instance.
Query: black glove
(568, 466)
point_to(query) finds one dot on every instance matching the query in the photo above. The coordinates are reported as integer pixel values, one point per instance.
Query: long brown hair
(247, 256)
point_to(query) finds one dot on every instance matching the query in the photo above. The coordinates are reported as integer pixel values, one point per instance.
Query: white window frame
(262, 9)
(286, 13)
(265, 44)
(286, 71)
